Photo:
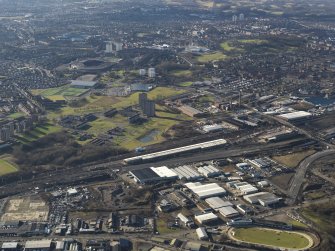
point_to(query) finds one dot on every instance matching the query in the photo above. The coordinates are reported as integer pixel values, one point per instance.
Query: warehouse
(206, 218)
(165, 173)
(216, 203)
(298, 116)
(206, 190)
(10, 246)
(144, 176)
(260, 163)
(228, 212)
(175, 151)
(263, 198)
(40, 245)
(209, 171)
(202, 234)
(185, 220)
(248, 189)
(187, 172)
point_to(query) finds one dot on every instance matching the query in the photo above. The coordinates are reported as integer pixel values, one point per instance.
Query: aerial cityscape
(155, 125)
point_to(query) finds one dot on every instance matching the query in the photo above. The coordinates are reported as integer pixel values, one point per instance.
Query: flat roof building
(187, 172)
(228, 212)
(295, 116)
(262, 198)
(209, 171)
(205, 218)
(202, 234)
(216, 203)
(204, 191)
(40, 245)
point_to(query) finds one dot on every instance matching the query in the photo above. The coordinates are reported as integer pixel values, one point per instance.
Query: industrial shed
(209, 171)
(263, 198)
(206, 218)
(187, 172)
(216, 203)
(202, 234)
(228, 212)
(204, 191)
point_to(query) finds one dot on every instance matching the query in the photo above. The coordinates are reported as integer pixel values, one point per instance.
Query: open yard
(292, 160)
(6, 167)
(271, 237)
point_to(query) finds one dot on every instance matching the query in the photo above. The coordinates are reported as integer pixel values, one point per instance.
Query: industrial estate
(159, 125)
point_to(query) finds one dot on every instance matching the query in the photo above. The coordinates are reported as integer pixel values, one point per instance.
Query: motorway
(298, 178)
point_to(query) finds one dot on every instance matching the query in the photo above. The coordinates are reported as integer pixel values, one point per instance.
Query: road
(298, 178)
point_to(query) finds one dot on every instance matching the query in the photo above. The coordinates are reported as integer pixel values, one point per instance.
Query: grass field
(321, 220)
(292, 160)
(185, 84)
(182, 73)
(58, 92)
(253, 41)
(16, 115)
(206, 58)
(227, 47)
(6, 167)
(315, 195)
(104, 103)
(283, 239)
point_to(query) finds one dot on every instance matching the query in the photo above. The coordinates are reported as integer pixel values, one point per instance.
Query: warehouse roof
(206, 217)
(205, 190)
(164, 172)
(38, 244)
(264, 196)
(187, 172)
(228, 211)
(295, 115)
(145, 174)
(9, 245)
(216, 203)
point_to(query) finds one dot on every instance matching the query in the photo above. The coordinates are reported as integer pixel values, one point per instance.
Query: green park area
(182, 73)
(271, 237)
(6, 167)
(226, 46)
(150, 132)
(185, 84)
(60, 93)
(253, 41)
(210, 57)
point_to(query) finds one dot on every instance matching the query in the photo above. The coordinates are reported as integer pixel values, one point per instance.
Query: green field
(104, 103)
(283, 239)
(185, 84)
(58, 92)
(131, 137)
(6, 167)
(16, 115)
(253, 41)
(38, 132)
(227, 47)
(206, 58)
(182, 73)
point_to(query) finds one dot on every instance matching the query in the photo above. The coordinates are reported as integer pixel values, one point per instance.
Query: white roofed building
(216, 203)
(204, 191)
(205, 218)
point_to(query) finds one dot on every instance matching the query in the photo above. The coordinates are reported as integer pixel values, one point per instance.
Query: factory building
(40, 245)
(216, 203)
(185, 220)
(151, 72)
(209, 171)
(206, 218)
(10, 246)
(203, 191)
(262, 198)
(190, 111)
(153, 174)
(298, 116)
(202, 234)
(228, 212)
(187, 172)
